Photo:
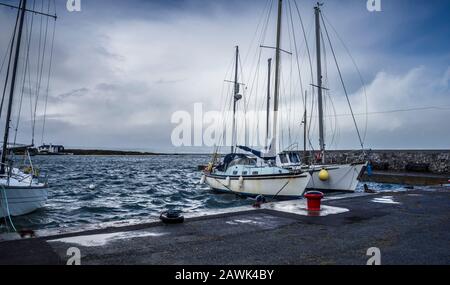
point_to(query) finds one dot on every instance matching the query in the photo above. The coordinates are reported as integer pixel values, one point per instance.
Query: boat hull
(283, 185)
(22, 201)
(21, 194)
(343, 178)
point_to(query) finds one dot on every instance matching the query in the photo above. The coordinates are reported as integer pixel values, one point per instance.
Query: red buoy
(314, 200)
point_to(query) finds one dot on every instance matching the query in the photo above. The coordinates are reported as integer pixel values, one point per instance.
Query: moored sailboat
(256, 173)
(325, 177)
(22, 189)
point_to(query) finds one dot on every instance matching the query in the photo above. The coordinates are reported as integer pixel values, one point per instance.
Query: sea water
(96, 189)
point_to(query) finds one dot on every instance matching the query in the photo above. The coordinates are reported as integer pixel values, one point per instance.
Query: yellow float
(324, 175)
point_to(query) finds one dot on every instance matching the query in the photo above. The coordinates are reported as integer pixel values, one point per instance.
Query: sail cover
(260, 154)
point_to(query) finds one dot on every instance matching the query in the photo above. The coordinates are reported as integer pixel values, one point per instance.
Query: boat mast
(277, 71)
(319, 83)
(305, 128)
(236, 99)
(268, 101)
(13, 83)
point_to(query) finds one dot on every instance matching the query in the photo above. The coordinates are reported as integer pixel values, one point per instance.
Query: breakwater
(427, 161)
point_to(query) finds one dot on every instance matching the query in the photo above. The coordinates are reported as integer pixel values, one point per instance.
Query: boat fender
(241, 181)
(324, 175)
(29, 170)
(227, 181)
(259, 201)
(203, 179)
(27, 234)
(209, 168)
(171, 217)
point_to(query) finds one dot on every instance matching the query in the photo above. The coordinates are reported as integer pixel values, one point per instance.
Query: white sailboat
(325, 177)
(256, 173)
(21, 189)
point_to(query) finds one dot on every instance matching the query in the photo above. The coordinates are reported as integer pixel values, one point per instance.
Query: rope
(40, 66)
(27, 42)
(9, 62)
(311, 73)
(343, 84)
(357, 70)
(48, 81)
(5, 56)
(7, 208)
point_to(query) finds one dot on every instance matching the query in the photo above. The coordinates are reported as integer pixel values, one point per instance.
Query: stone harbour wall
(430, 161)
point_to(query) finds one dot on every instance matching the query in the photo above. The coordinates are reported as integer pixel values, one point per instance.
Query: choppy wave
(125, 188)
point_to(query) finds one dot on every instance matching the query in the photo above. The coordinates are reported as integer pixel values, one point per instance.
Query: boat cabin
(289, 159)
(237, 164)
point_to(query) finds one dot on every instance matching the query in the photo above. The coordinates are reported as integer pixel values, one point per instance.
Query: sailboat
(325, 177)
(22, 190)
(254, 172)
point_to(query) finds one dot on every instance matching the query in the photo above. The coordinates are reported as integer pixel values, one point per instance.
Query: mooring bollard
(314, 199)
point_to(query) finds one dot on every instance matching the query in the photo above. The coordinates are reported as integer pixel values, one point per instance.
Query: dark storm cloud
(121, 68)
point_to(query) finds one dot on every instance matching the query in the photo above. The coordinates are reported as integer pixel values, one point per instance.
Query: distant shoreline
(93, 152)
(99, 152)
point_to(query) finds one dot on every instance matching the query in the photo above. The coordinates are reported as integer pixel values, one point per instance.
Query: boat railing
(21, 176)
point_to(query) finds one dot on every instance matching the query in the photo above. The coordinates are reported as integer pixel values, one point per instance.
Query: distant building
(51, 149)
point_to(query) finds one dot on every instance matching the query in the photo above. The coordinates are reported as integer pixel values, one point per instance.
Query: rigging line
(312, 124)
(5, 56)
(29, 74)
(228, 100)
(306, 41)
(358, 71)
(224, 100)
(261, 18)
(311, 71)
(30, 90)
(285, 96)
(257, 58)
(48, 82)
(243, 93)
(342, 81)
(257, 79)
(33, 118)
(256, 76)
(297, 60)
(435, 108)
(9, 63)
(38, 67)
(328, 95)
(296, 52)
(41, 68)
(27, 53)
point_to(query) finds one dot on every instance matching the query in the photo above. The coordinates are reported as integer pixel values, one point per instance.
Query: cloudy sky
(122, 68)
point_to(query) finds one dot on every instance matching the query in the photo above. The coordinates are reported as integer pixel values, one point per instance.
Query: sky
(121, 69)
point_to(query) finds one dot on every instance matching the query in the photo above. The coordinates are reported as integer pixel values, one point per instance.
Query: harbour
(207, 134)
(73, 204)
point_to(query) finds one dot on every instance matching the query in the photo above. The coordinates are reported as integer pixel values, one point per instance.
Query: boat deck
(408, 227)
